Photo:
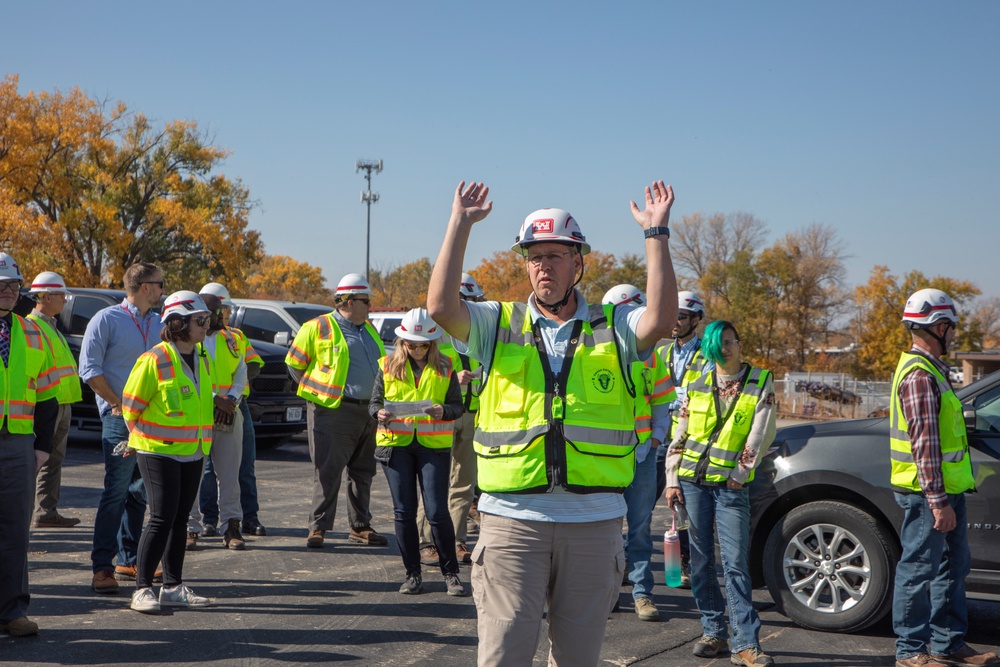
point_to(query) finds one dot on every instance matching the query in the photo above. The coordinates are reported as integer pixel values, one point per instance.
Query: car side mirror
(281, 338)
(969, 414)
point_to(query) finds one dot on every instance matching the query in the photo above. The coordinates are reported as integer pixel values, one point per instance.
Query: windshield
(977, 386)
(304, 313)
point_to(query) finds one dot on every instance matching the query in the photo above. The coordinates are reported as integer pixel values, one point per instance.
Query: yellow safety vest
(29, 376)
(70, 390)
(231, 345)
(320, 351)
(956, 465)
(537, 430)
(172, 416)
(692, 371)
(713, 446)
(652, 387)
(433, 387)
(461, 362)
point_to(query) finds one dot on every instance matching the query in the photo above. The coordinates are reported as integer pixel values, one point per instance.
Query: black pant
(171, 487)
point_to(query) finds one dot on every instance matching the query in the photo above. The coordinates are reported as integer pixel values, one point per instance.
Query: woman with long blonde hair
(416, 400)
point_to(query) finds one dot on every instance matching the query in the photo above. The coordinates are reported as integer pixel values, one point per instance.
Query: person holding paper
(414, 447)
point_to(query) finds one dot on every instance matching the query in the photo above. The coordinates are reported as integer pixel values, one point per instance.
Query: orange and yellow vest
(429, 432)
(320, 351)
(28, 377)
(171, 415)
(70, 389)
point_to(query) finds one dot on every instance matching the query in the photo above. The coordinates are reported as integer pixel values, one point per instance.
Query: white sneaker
(182, 596)
(144, 600)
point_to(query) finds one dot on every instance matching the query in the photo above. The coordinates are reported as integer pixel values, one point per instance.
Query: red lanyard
(144, 334)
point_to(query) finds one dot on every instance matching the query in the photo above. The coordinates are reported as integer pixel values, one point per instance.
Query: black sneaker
(455, 586)
(412, 586)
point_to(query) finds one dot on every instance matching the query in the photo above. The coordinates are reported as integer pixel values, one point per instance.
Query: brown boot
(232, 538)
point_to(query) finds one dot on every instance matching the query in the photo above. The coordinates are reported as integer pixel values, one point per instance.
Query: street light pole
(368, 198)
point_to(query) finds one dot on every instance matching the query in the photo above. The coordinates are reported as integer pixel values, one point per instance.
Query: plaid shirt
(920, 401)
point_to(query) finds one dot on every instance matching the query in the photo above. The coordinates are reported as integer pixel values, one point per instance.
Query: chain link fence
(820, 396)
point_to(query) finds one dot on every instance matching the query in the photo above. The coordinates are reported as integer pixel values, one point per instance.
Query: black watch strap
(657, 231)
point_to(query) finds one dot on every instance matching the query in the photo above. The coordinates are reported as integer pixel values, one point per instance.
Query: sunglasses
(416, 346)
(367, 302)
(11, 286)
(153, 282)
(201, 321)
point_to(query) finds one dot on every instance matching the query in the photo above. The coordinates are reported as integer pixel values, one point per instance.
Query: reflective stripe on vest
(722, 443)
(956, 464)
(325, 373)
(533, 433)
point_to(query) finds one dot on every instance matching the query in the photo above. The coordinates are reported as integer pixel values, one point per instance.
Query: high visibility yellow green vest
(70, 390)
(537, 430)
(713, 446)
(320, 351)
(692, 372)
(461, 362)
(433, 387)
(29, 376)
(231, 345)
(652, 387)
(172, 416)
(956, 465)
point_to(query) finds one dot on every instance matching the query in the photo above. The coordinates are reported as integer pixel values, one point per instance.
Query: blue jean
(640, 496)
(728, 511)
(928, 603)
(432, 468)
(209, 498)
(118, 524)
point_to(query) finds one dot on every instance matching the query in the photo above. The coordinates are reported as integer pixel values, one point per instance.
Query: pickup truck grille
(273, 379)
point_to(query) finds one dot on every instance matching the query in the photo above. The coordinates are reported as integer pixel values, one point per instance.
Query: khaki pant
(49, 479)
(520, 566)
(461, 486)
(227, 455)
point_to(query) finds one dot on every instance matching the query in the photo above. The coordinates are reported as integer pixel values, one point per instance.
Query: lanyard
(144, 334)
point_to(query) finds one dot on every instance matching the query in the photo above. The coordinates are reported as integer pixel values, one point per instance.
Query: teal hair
(711, 342)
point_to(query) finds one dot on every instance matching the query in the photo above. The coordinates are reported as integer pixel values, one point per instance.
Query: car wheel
(829, 566)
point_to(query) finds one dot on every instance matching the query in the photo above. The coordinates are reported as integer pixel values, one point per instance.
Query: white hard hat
(469, 288)
(623, 294)
(48, 281)
(353, 283)
(690, 302)
(418, 326)
(926, 307)
(549, 225)
(9, 269)
(219, 290)
(183, 304)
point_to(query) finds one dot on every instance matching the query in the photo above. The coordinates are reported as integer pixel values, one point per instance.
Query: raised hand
(659, 199)
(470, 203)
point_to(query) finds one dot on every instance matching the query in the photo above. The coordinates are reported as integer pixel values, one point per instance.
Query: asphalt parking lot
(279, 603)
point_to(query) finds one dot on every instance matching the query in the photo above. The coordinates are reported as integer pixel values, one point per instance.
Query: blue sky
(879, 119)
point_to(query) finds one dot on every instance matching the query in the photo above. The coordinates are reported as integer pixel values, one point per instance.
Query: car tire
(851, 588)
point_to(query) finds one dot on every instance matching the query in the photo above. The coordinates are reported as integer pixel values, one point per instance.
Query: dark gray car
(825, 525)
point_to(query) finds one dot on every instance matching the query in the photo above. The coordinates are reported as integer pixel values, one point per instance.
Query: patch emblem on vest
(185, 390)
(739, 418)
(233, 346)
(603, 381)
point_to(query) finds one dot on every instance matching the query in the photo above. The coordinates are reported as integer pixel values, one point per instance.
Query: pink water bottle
(672, 556)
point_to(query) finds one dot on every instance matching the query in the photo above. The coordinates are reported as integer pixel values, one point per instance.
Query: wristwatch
(657, 231)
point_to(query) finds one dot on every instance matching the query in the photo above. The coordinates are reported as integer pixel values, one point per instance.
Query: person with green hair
(727, 422)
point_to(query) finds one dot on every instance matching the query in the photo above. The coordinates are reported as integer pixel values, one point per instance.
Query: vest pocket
(510, 394)
(602, 378)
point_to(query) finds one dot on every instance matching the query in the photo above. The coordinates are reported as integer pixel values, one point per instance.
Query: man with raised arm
(556, 433)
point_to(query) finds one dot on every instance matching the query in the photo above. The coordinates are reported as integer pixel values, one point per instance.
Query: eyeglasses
(153, 282)
(416, 346)
(11, 286)
(551, 257)
(730, 343)
(201, 321)
(367, 302)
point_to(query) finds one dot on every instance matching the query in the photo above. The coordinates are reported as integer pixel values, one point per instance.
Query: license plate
(293, 414)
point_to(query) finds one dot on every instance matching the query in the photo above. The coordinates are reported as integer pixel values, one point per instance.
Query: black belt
(355, 401)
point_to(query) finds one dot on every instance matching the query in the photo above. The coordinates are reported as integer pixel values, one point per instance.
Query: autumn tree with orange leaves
(88, 188)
